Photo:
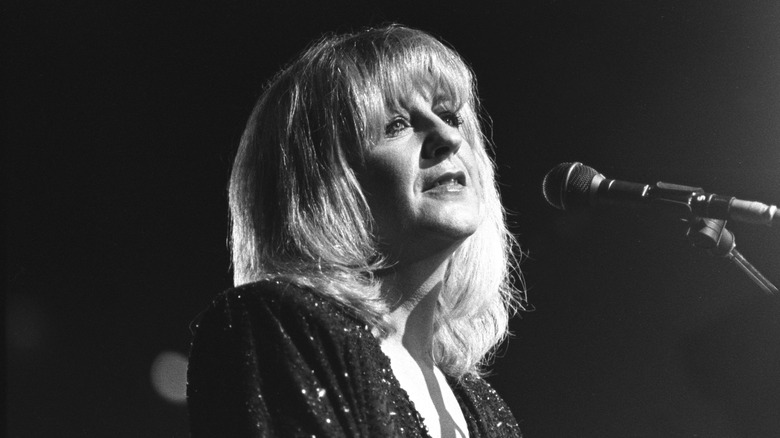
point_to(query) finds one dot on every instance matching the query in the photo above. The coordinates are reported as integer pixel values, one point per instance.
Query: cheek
(388, 183)
(390, 170)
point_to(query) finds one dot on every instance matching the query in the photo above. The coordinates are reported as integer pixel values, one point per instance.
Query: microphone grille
(566, 185)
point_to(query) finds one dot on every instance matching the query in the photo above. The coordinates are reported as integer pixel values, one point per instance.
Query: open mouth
(448, 180)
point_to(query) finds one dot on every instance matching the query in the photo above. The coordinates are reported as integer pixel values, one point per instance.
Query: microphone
(575, 186)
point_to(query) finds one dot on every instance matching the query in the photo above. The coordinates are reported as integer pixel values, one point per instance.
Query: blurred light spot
(169, 376)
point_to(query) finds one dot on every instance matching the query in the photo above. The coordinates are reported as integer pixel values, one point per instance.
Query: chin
(431, 242)
(454, 228)
(428, 234)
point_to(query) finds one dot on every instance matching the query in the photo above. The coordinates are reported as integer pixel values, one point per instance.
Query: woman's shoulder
(283, 302)
(275, 359)
(477, 385)
(485, 407)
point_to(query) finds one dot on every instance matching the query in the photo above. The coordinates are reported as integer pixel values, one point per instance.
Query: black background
(121, 119)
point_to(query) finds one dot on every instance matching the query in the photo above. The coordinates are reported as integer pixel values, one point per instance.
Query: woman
(371, 256)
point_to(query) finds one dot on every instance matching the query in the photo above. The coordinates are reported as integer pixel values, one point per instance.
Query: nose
(442, 141)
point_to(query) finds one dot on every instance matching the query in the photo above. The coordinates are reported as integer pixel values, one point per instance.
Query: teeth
(446, 182)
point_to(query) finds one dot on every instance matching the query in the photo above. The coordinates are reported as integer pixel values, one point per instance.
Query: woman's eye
(452, 119)
(395, 127)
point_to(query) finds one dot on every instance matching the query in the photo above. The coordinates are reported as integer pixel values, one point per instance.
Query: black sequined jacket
(273, 360)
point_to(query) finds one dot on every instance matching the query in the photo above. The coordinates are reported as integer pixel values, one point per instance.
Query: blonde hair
(298, 213)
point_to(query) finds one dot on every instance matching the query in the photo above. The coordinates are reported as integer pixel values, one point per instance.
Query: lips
(448, 179)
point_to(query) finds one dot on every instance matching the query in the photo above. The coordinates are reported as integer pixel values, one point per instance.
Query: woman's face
(421, 181)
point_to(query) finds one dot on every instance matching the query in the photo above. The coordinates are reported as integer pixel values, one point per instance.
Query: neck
(413, 292)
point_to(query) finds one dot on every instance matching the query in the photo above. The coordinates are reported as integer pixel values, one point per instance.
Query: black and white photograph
(538, 219)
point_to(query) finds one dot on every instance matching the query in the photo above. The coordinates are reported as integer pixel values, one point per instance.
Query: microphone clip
(712, 235)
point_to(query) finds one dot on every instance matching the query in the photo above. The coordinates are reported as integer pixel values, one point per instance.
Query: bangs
(428, 73)
(397, 68)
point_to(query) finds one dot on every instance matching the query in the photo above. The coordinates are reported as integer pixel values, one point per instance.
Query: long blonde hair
(299, 214)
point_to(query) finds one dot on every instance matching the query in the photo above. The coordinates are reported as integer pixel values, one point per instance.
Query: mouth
(447, 180)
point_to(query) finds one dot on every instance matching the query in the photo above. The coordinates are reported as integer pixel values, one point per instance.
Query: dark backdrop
(121, 120)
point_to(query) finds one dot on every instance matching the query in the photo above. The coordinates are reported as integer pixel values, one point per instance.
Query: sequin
(270, 350)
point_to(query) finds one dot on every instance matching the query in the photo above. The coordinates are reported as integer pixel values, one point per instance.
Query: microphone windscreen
(566, 185)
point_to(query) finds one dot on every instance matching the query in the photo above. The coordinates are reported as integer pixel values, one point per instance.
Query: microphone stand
(711, 234)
